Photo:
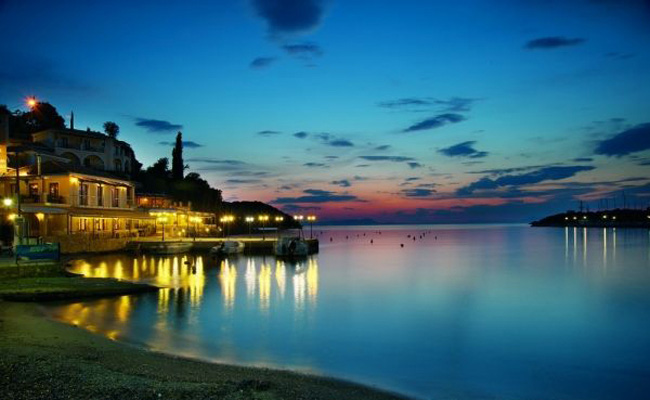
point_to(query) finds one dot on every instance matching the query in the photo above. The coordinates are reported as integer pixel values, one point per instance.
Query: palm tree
(111, 129)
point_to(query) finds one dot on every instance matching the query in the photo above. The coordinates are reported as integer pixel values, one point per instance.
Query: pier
(252, 245)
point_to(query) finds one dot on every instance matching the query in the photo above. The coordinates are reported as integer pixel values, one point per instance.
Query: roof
(30, 146)
(59, 168)
(75, 132)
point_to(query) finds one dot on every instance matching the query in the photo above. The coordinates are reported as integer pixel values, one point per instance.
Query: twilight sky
(397, 111)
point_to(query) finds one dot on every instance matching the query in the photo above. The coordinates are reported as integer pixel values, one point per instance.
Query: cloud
(216, 161)
(262, 62)
(387, 158)
(629, 141)
(464, 149)
(290, 16)
(301, 135)
(414, 165)
(417, 192)
(243, 181)
(268, 133)
(552, 42)
(583, 159)
(291, 208)
(544, 174)
(186, 143)
(435, 122)
(382, 147)
(157, 125)
(407, 102)
(451, 105)
(317, 196)
(315, 165)
(340, 143)
(303, 50)
(342, 183)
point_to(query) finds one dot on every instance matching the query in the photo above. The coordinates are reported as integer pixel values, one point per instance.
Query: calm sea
(458, 312)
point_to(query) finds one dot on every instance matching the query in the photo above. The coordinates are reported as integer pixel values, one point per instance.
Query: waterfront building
(75, 188)
(178, 219)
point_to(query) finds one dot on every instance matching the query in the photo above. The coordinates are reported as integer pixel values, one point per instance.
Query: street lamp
(299, 219)
(278, 222)
(263, 219)
(249, 221)
(31, 102)
(162, 219)
(196, 221)
(8, 202)
(225, 220)
(311, 219)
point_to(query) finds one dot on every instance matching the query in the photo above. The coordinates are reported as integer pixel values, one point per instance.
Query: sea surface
(458, 312)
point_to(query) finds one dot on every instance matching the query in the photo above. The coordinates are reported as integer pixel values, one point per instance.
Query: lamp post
(278, 221)
(225, 220)
(196, 221)
(263, 219)
(299, 218)
(249, 221)
(162, 219)
(311, 219)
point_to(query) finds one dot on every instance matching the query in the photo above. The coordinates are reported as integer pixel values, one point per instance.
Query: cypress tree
(177, 158)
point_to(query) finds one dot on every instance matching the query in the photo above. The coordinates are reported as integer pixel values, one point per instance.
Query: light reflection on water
(464, 312)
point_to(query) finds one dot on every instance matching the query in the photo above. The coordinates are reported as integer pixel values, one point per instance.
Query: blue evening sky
(409, 111)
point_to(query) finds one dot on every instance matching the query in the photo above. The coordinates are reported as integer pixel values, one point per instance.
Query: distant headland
(623, 218)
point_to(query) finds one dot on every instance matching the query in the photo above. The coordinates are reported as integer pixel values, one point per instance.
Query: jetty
(252, 245)
(617, 218)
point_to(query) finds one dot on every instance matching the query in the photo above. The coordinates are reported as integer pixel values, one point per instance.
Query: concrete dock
(252, 245)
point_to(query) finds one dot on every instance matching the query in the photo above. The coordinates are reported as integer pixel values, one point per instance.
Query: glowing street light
(278, 222)
(249, 221)
(263, 219)
(162, 219)
(311, 219)
(31, 102)
(196, 221)
(225, 220)
(8, 201)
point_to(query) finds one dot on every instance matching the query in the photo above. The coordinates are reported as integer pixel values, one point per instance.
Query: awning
(42, 209)
(110, 213)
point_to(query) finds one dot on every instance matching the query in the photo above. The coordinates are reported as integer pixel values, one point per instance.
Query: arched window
(94, 162)
(72, 157)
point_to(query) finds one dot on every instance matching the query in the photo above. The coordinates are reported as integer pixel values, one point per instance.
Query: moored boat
(228, 247)
(291, 247)
(166, 247)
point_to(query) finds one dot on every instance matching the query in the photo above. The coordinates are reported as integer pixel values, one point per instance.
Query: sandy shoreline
(43, 358)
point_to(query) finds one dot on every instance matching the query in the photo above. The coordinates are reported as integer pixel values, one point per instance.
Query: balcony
(78, 200)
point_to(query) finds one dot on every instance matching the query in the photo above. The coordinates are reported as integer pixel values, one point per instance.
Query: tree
(159, 169)
(42, 116)
(177, 158)
(111, 129)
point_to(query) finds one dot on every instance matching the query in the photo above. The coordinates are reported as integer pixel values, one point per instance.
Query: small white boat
(167, 247)
(291, 247)
(228, 247)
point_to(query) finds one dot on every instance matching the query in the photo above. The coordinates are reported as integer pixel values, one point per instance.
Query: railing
(78, 200)
(75, 146)
(97, 149)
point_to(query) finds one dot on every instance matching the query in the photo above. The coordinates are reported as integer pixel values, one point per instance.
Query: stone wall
(84, 243)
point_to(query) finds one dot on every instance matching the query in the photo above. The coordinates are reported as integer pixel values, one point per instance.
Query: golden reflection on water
(228, 280)
(184, 280)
